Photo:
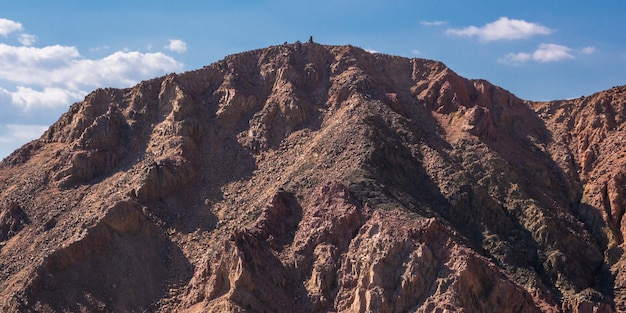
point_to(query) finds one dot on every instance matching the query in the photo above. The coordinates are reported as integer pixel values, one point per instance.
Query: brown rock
(12, 220)
(313, 178)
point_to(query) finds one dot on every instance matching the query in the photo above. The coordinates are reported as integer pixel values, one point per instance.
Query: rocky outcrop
(343, 259)
(305, 177)
(12, 220)
(109, 256)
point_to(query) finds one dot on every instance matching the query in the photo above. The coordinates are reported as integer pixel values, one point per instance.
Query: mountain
(314, 178)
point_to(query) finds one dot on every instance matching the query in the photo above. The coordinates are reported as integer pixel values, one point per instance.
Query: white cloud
(28, 98)
(177, 45)
(371, 50)
(515, 58)
(433, 23)
(36, 83)
(546, 52)
(8, 26)
(57, 75)
(30, 65)
(416, 52)
(27, 39)
(588, 50)
(16, 133)
(549, 52)
(120, 69)
(502, 29)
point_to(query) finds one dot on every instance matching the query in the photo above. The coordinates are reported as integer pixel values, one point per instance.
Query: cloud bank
(502, 29)
(59, 75)
(36, 83)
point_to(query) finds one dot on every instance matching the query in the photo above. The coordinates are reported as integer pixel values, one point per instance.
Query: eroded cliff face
(318, 178)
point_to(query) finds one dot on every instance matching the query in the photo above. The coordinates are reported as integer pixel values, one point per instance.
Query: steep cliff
(314, 178)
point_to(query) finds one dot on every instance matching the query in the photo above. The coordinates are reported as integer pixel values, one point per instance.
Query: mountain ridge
(256, 183)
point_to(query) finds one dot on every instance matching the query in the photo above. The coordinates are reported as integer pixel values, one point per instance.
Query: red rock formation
(319, 179)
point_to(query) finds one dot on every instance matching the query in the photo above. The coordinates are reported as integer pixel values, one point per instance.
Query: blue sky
(52, 53)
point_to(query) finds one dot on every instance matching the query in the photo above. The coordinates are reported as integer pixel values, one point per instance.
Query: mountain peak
(309, 177)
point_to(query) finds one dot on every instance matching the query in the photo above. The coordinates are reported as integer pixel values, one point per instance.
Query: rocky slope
(314, 178)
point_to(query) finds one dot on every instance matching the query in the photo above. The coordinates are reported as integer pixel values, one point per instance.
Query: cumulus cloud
(177, 45)
(8, 26)
(546, 52)
(58, 75)
(588, 50)
(433, 23)
(119, 69)
(31, 65)
(38, 82)
(28, 98)
(27, 39)
(549, 52)
(502, 29)
(515, 58)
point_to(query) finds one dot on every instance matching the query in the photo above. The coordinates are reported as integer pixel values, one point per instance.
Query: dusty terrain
(312, 178)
